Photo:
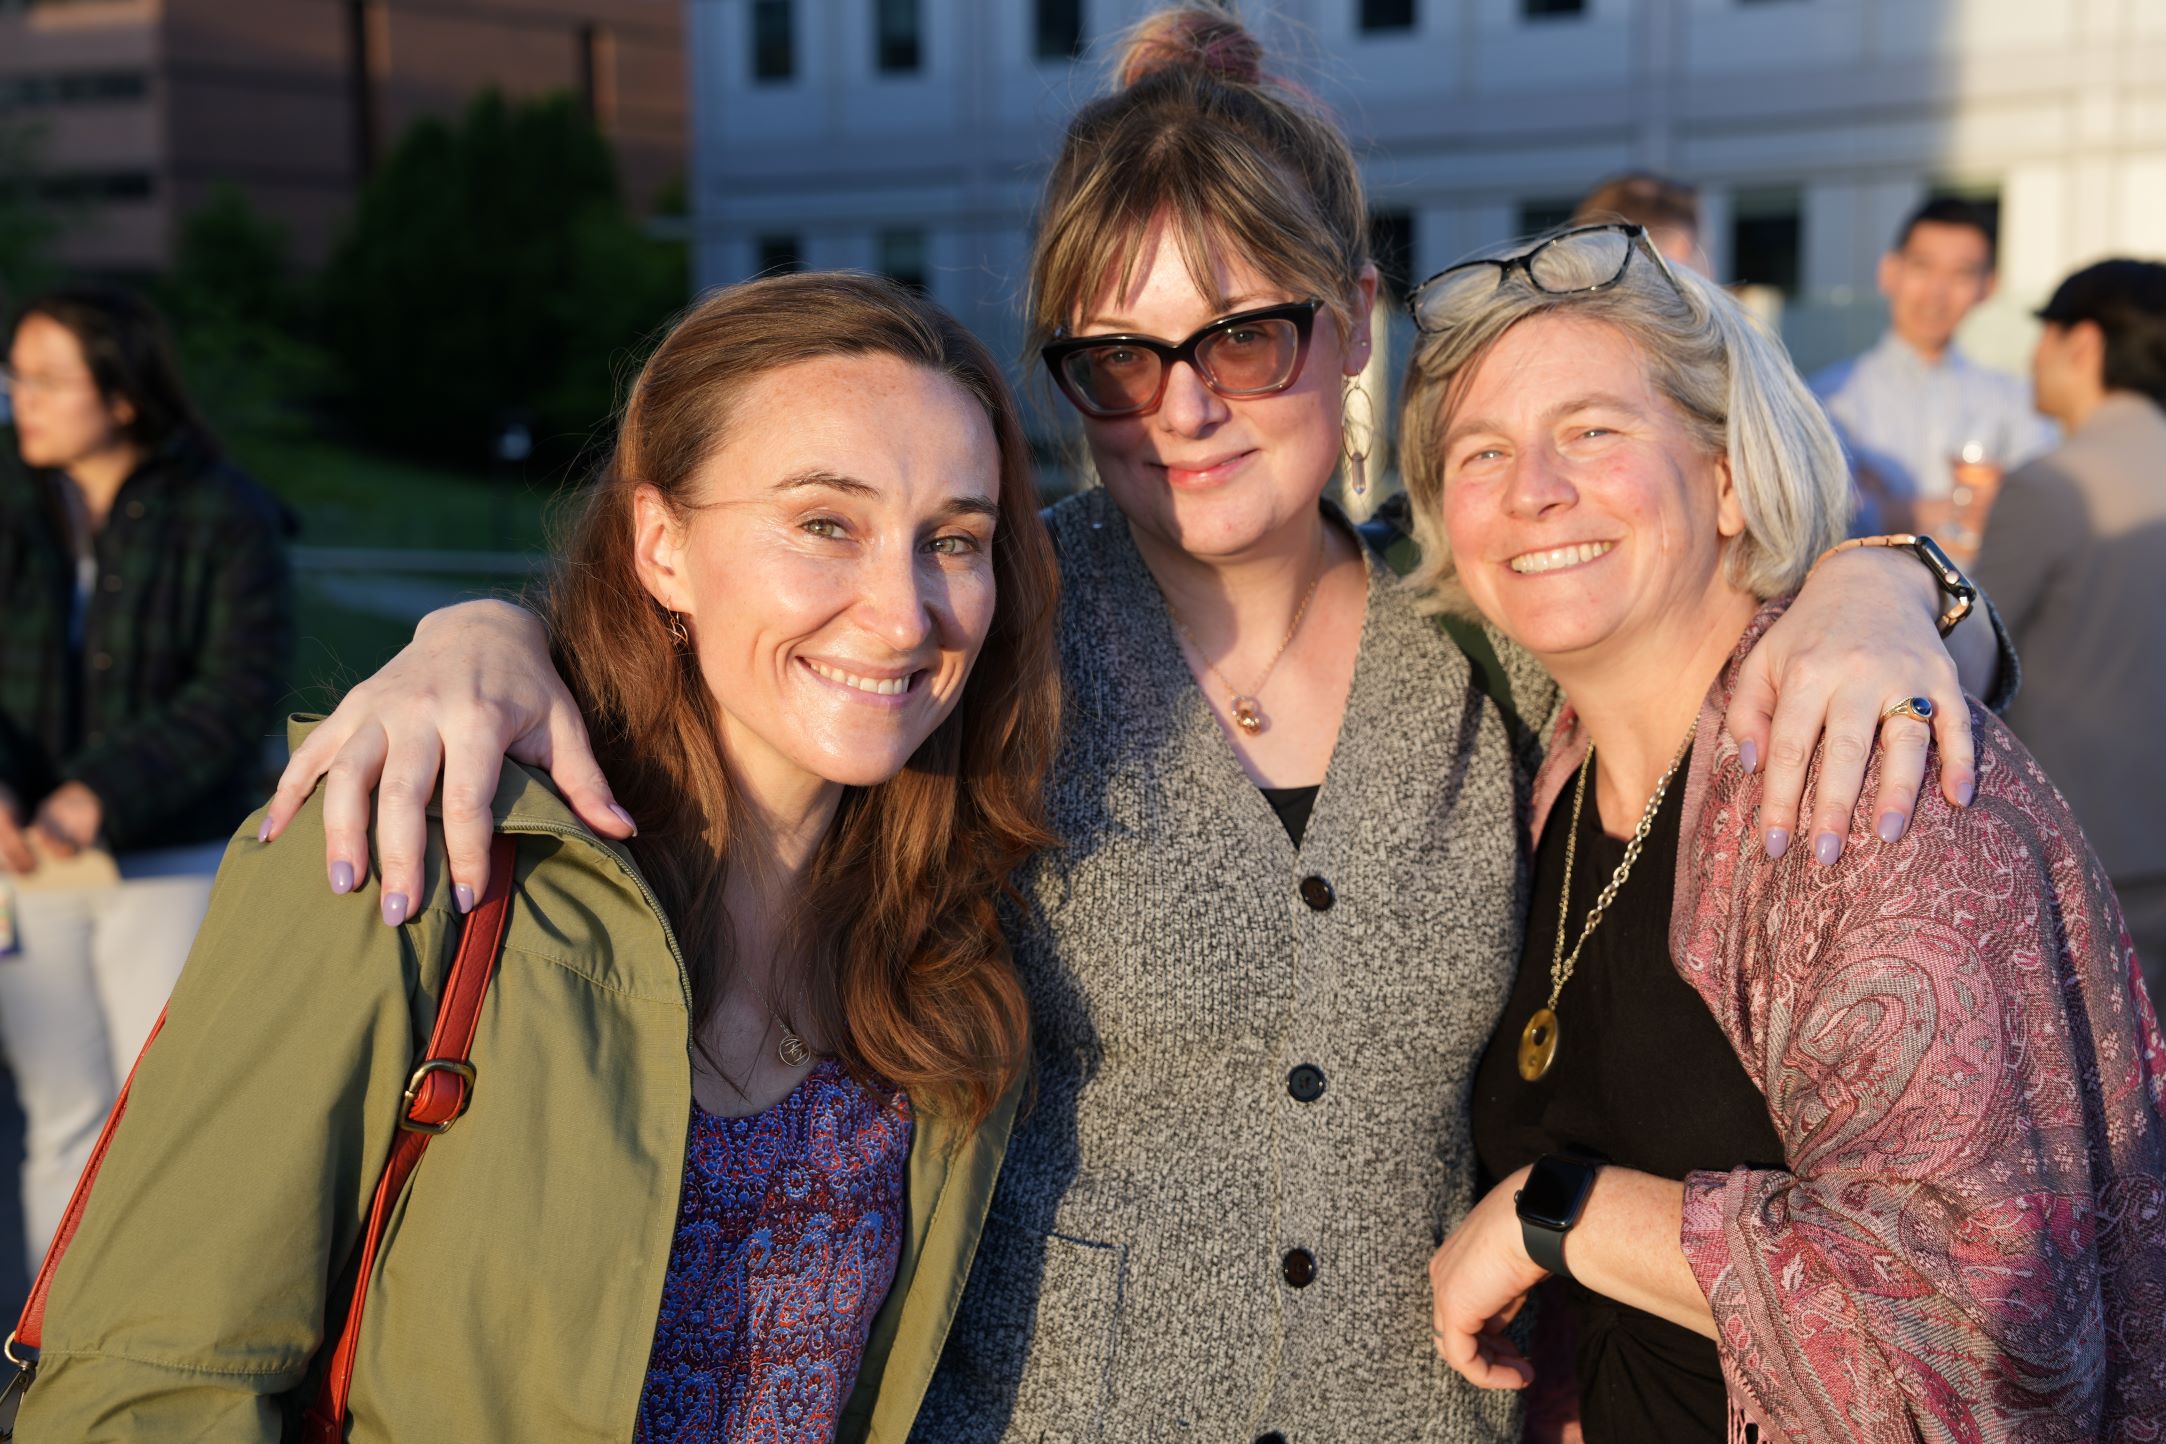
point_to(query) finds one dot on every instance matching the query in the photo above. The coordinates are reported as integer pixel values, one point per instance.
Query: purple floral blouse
(788, 1231)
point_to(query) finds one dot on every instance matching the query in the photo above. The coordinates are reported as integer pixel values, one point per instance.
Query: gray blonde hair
(1732, 382)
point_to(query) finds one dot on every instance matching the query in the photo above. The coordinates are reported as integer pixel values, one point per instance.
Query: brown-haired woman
(1288, 908)
(744, 1081)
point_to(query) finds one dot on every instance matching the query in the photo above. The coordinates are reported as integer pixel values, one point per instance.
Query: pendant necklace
(791, 1049)
(1246, 708)
(1538, 1041)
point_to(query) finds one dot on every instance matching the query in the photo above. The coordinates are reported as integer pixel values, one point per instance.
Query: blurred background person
(1668, 208)
(2075, 558)
(1914, 410)
(149, 631)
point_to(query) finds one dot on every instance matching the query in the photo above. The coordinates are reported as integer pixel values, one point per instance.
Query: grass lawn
(349, 498)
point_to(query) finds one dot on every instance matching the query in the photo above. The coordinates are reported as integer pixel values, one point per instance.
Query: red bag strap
(437, 1095)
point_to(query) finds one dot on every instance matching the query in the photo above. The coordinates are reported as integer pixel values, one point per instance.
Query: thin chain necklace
(1538, 1041)
(1247, 710)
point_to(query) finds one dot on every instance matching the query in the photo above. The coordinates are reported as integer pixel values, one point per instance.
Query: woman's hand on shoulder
(474, 686)
(1859, 638)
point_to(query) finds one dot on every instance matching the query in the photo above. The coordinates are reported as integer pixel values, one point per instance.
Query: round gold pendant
(1538, 1045)
(1248, 715)
(791, 1050)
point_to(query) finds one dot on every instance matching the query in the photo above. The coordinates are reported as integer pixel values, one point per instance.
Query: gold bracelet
(1962, 595)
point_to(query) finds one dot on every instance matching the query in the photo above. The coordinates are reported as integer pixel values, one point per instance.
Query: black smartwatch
(1550, 1202)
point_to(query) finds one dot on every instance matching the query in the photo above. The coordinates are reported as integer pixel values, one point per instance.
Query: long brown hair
(1198, 132)
(908, 975)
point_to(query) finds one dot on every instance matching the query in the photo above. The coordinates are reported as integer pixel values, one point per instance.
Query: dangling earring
(1357, 460)
(678, 632)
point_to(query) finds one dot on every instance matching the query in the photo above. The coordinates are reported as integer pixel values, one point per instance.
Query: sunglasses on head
(1250, 353)
(1585, 258)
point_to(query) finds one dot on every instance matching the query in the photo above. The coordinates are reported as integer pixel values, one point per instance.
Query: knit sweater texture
(1133, 1280)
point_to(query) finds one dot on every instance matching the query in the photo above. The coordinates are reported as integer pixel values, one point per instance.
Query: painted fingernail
(394, 908)
(1826, 848)
(1966, 791)
(463, 896)
(1778, 841)
(263, 833)
(625, 818)
(342, 877)
(1891, 827)
(1748, 755)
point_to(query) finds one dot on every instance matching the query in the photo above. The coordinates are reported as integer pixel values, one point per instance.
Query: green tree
(238, 318)
(27, 228)
(492, 272)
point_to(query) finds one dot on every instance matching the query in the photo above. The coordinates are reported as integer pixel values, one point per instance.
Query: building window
(1767, 230)
(902, 257)
(896, 36)
(1391, 247)
(778, 255)
(1387, 14)
(1060, 29)
(1537, 9)
(774, 40)
(91, 87)
(79, 186)
(1536, 217)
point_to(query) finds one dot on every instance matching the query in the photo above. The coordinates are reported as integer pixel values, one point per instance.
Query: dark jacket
(186, 647)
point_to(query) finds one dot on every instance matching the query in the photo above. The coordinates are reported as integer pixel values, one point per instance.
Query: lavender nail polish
(463, 896)
(1748, 755)
(625, 818)
(1967, 792)
(1890, 827)
(342, 877)
(1826, 848)
(1778, 841)
(263, 833)
(394, 908)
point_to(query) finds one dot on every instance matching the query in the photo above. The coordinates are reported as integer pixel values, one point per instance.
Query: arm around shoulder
(215, 1241)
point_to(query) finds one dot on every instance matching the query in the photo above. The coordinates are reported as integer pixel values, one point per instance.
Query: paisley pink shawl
(1970, 1240)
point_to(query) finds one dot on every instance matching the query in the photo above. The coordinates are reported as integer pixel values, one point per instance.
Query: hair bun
(1205, 38)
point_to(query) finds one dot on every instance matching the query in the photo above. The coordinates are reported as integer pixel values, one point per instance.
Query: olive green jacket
(516, 1293)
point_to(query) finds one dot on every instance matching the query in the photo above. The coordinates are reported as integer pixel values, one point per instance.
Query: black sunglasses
(1585, 258)
(1250, 353)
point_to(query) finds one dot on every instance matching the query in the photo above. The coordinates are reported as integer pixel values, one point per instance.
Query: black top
(1643, 1077)
(1293, 805)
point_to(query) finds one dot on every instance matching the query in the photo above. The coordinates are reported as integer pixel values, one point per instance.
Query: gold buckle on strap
(465, 1072)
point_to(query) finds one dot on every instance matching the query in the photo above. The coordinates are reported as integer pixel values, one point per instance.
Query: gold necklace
(1538, 1040)
(790, 1048)
(1247, 710)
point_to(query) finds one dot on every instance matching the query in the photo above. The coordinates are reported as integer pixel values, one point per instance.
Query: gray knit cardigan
(1134, 1280)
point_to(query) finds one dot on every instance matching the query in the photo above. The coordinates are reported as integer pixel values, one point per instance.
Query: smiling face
(1212, 477)
(60, 416)
(1583, 515)
(1937, 277)
(835, 571)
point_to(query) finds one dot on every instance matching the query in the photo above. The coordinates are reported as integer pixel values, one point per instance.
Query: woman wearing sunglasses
(1287, 907)
(1870, 1151)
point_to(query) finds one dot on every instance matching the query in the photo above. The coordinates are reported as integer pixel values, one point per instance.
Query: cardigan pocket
(1032, 1354)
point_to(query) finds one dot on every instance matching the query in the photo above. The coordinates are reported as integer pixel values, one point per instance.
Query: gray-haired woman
(1868, 1148)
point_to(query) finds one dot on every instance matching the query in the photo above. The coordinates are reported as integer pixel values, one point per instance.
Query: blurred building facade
(911, 135)
(134, 110)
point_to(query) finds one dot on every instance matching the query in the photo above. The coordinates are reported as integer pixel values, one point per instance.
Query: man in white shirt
(1914, 405)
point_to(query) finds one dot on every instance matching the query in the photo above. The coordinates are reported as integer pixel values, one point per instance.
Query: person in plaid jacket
(147, 635)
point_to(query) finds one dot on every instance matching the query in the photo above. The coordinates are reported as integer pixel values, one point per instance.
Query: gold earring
(679, 633)
(1357, 460)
